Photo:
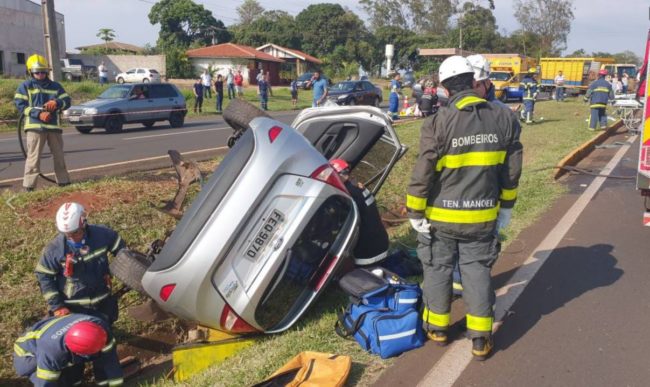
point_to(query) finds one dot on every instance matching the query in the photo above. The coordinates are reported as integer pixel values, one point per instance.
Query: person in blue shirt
(599, 93)
(53, 352)
(319, 87)
(263, 90)
(531, 89)
(197, 89)
(393, 98)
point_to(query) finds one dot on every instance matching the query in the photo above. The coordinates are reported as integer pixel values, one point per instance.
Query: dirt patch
(90, 201)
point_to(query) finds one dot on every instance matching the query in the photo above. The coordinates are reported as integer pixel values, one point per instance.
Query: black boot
(438, 337)
(482, 347)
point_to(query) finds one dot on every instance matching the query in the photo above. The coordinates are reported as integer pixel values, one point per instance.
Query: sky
(599, 25)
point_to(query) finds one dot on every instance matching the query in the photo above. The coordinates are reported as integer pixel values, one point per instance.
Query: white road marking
(452, 364)
(120, 163)
(178, 133)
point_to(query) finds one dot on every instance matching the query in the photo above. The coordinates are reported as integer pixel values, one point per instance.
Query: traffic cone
(406, 103)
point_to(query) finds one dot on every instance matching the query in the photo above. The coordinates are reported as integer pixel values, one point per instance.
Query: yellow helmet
(532, 70)
(37, 63)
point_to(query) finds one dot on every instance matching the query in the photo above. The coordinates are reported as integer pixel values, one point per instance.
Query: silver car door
(361, 135)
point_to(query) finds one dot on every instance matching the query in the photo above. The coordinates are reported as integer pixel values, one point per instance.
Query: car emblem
(278, 243)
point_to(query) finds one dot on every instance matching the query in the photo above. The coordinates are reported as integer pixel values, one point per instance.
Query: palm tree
(107, 35)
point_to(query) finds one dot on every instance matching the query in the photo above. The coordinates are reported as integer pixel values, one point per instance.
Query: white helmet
(452, 66)
(481, 66)
(70, 217)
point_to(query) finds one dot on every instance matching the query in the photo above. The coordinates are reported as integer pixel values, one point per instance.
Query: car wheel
(148, 124)
(176, 119)
(120, 80)
(377, 103)
(240, 113)
(68, 77)
(145, 80)
(114, 124)
(84, 129)
(504, 97)
(129, 267)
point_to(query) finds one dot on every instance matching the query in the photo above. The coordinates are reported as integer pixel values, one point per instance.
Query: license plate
(264, 234)
(74, 118)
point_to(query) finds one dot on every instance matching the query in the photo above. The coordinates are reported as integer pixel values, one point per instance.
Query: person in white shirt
(559, 87)
(206, 81)
(625, 82)
(103, 74)
(617, 86)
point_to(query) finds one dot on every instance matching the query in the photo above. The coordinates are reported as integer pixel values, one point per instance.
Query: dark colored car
(355, 93)
(303, 81)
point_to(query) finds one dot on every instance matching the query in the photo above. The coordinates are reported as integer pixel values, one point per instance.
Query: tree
(627, 56)
(479, 29)
(550, 19)
(249, 11)
(106, 34)
(421, 16)
(183, 23)
(325, 26)
(580, 53)
(277, 27)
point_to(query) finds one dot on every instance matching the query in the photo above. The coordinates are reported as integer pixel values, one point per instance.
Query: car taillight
(328, 272)
(274, 132)
(328, 175)
(166, 291)
(233, 323)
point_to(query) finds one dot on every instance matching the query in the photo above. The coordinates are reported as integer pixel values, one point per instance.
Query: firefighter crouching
(73, 272)
(54, 350)
(462, 190)
(41, 100)
(599, 93)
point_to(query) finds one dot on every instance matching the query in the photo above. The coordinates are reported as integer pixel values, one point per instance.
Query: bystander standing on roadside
(559, 87)
(230, 84)
(264, 90)
(617, 86)
(218, 88)
(293, 88)
(206, 81)
(393, 99)
(625, 81)
(197, 89)
(319, 89)
(103, 74)
(239, 84)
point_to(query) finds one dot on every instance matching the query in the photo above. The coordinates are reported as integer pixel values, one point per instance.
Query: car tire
(240, 113)
(120, 80)
(145, 80)
(68, 77)
(148, 124)
(504, 97)
(176, 119)
(84, 129)
(129, 267)
(376, 103)
(114, 123)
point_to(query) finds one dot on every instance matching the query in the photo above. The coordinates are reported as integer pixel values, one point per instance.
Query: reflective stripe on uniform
(370, 261)
(42, 269)
(50, 295)
(416, 203)
(64, 95)
(21, 352)
(468, 101)
(480, 324)
(109, 346)
(471, 159)
(37, 334)
(111, 382)
(116, 244)
(87, 300)
(47, 374)
(457, 286)
(68, 288)
(602, 89)
(44, 91)
(508, 194)
(21, 96)
(448, 215)
(438, 320)
(39, 125)
(598, 106)
(94, 254)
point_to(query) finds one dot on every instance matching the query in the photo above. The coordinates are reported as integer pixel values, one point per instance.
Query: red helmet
(339, 165)
(603, 72)
(85, 338)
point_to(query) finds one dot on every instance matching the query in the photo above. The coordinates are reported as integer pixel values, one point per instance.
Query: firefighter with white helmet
(73, 271)
(462, 190)
(484, 86)
(53, 352)
(41, 101)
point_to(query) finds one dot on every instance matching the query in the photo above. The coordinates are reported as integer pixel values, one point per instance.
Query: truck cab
(75, 70)
(506, 85)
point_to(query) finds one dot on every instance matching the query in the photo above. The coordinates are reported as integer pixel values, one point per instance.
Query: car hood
(98, 103)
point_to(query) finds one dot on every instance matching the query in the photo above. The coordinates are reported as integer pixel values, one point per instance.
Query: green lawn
(125, 205)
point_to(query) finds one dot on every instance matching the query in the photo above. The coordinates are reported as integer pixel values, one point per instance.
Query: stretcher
(630, 111)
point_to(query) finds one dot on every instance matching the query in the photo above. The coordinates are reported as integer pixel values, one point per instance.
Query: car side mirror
(132, 96)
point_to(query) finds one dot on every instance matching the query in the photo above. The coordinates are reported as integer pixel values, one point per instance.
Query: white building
(21, 34)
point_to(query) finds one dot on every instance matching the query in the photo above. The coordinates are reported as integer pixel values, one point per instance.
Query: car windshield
(112, 92)
(495, 76)
(629, 70)
(343, 86)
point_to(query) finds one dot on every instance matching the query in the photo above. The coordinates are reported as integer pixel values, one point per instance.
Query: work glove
(45, 116)
(50, 106)
(421, 225)
(62, 311)
(503, 220)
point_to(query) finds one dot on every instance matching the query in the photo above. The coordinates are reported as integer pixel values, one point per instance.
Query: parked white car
(138, 75)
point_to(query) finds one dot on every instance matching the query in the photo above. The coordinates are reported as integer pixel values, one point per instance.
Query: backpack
(383, 315)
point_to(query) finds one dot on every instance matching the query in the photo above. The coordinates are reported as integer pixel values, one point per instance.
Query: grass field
(124, 204)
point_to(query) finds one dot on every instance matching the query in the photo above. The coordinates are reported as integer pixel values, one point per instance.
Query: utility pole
(51, 39)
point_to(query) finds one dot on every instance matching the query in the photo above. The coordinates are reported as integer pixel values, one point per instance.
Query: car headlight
(66, 113)
(90, 111)
(344, 96)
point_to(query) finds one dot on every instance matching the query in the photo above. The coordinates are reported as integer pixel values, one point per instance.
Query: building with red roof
(296, 61)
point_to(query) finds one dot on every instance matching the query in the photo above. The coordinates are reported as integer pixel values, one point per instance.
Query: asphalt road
(574, 296)
(136, 148)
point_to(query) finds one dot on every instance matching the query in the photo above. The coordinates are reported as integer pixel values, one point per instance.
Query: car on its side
(355, 93)
(303, 81)
(138, 75)
(143, 103)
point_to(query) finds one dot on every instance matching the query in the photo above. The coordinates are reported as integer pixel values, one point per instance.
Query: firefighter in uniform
(53, 352)
(372, 245)
(599, 93)
(530, 95)
(462, 190)
(73, 272)
(41, 100)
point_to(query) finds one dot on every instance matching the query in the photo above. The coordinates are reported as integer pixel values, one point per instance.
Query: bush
(8, 110)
